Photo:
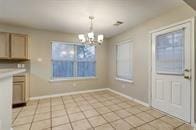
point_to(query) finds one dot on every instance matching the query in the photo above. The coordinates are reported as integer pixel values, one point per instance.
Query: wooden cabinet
(18, 46)
(4, 45)
(18, 90)
(13, 46)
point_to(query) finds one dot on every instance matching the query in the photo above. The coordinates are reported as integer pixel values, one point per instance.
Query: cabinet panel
(19, 46)
(18, 92)
(4, 45)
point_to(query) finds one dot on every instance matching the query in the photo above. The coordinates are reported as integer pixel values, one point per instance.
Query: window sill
(124, 80)
(71, 79)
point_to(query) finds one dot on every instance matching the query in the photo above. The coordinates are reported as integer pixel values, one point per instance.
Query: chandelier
(90, 38)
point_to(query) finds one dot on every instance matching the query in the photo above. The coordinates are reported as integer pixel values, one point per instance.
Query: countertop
(4, 73)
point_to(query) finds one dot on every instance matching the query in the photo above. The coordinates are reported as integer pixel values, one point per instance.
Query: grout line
(34, 114)
(67, 113)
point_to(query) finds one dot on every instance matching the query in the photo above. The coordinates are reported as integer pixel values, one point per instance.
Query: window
(73, 60)
(170, 52)
(124, 61)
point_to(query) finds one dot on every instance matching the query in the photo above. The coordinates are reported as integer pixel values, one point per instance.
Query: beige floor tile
(121, 125)
(84, 107)
(111, 117)
(185, 127)
(145, 116)
(143, 108)
(108, 103)
(58, 113)
(96, 121)
(133, 110)
(22, 127)
(103, 110)
(124, 105)
(71, 105)
(90, 113)
(58, 107)
(146, 127)
(14, 115)
(16, 110)
(59, 120)
(97, 105)
(62, 127)
(29, 108)
(23, 120)
(42, 116)
(81, 125)
(76, 116)
(155, 113)
(122, 113)
(47, 104)
(27, 113)
(104, 127)
(41, 125)
(172, 121)
(114, 107)
(73, 110)
(44, 100)
(32, 103)
(43, 110)
(134, 121)
(57, 103)
(160, 125)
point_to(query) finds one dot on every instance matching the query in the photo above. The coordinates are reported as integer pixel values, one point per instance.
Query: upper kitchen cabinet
(18, 46)
(4, 45)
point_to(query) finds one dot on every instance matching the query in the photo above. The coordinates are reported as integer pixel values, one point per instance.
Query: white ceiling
(71, 16)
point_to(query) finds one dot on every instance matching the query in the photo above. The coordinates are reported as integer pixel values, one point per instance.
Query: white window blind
(170, 53)
(124, 60)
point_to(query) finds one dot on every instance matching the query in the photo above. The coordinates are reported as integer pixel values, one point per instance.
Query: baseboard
(65, 94)
(128, 97)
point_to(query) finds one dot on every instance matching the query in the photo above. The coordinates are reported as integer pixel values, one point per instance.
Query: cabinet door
(19, 46)
(4, 45)
(18, 92)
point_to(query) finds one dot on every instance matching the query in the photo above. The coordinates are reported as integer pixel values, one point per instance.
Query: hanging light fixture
(90, 38)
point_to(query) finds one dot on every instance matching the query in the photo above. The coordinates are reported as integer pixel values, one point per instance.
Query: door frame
(192, 21)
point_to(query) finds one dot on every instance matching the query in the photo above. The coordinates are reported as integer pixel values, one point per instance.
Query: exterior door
(171, 70)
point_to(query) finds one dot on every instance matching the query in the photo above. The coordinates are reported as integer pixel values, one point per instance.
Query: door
(171, 70)
(4, 45)
(18, 46)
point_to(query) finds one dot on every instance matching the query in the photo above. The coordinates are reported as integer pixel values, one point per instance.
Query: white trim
(129, 97)
(65, 94)
(192, 21)
(70, 79)
(124, 80)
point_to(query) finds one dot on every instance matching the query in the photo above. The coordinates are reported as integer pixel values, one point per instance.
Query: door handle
(187, 77)
(187, 74)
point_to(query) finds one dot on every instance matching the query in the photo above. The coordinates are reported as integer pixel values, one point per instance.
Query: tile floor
(102, 110)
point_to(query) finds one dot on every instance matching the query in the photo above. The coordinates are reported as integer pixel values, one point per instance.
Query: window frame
(75, 77)
(118, 78)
